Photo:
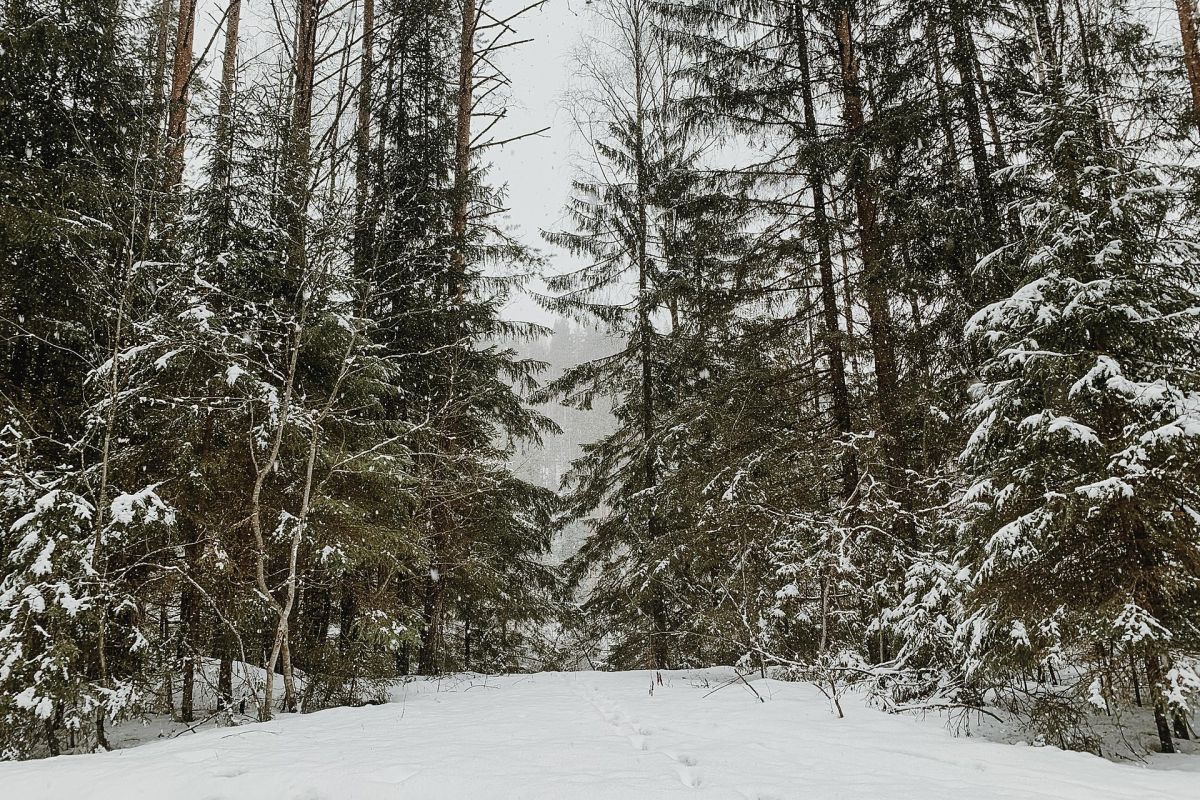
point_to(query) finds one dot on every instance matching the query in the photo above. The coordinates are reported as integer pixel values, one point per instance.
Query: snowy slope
(591, 735)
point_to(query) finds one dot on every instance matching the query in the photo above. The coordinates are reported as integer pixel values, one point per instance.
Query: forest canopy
(902, 307)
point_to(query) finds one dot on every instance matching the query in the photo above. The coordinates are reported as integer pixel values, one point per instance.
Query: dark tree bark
(829, 305)
(879, 311)
(429, 657)
(963, 54)
(364, 224)
(187, 656)
(348, 611)
(945, 118)
(225, 683)
(1157, 682)
(462, 146)
(296, 190)
(1137, 685)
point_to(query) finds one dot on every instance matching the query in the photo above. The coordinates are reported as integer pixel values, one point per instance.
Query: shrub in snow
(55, 598)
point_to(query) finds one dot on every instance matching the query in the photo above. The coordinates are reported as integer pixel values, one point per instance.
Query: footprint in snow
(688, 777)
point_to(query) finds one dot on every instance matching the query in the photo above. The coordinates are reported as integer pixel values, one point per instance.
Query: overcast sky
(538, 170)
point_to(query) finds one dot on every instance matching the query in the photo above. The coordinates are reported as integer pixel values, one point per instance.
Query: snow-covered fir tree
(1082, 507)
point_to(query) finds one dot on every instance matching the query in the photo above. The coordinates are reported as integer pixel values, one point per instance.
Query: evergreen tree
(1082, 522)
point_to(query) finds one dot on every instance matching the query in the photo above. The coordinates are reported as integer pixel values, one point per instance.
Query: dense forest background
(873, 324)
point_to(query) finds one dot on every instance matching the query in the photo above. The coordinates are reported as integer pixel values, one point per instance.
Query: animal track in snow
(640, 737)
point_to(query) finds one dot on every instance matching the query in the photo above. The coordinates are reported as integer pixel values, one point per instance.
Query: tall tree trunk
(945, 118)
(1186, 10)
(879, 311)
(658, 651)
(363, 227)
(187, 658)
(177, 109)
(222, 160)
(265, 469)
(162, 41)
(164, 632)
(348, 610)
(99, 552)
(296, 193)
(989, 112)
(189, 606)
(829, 306)
(294, 210)
(429, 660)
(963, 54)
(462, 147)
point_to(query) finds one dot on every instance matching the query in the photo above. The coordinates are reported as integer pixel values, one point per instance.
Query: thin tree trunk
(1047, 49)
(467, 643)
(462, 147)
(164, 632)
(294, 211)
(1137, 686)
(829, 306)
(362, 163)
(939, 83)
(348, 610)
(658, 640)
(185, 649)
(99, 552)
(260, 478)
(878, 306)
(964, 62)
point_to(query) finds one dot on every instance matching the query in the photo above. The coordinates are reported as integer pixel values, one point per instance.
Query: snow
(588, 736)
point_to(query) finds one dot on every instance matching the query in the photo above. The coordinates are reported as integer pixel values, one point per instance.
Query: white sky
(538, 170)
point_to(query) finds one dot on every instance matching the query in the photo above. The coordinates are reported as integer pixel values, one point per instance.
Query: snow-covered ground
(578, 736)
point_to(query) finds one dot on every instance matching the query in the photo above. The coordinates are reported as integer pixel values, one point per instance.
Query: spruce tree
(1082, 501)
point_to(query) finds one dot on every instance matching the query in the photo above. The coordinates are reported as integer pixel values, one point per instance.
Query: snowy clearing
(593, 735)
